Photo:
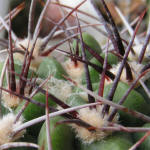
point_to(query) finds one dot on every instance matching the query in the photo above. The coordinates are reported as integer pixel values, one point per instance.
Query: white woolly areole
(28, 44)
(7, 126)
(59, 88)
(11, 100)
(94, 118)
(137, 49)
(134, 66)
(75, 72)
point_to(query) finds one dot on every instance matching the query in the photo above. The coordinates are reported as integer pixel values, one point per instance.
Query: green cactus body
(89, 41)
(134, 101)
(94, 75)
(25, 138)
(111, 58)
(62, 137)
(75, 100)
(18, 68)
(141, 90)
(145, 145)
(50, 66)
(117, 141)
(33, 111)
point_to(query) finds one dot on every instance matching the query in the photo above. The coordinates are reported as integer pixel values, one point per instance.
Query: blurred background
(130, 9)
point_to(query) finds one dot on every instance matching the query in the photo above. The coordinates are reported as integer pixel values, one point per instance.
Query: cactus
(82, 101)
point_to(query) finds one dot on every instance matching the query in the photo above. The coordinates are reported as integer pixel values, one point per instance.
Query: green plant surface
(91, 42)
(134, 101)
(50, 66)
(62, 137)
(33, 111)
(145, 145)
(116, 141)
(75, 100)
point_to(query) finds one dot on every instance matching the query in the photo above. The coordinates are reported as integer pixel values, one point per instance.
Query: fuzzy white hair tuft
(95, 118)
(28, 45)
(75, 72)
(135, 68)
(6, 128)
